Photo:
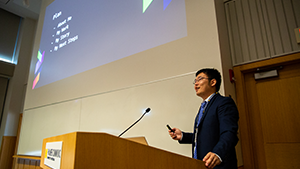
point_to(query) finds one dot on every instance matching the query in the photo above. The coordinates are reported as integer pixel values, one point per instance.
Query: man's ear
(213, 82)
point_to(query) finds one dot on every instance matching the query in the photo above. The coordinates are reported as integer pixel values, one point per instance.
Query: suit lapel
(210, 102)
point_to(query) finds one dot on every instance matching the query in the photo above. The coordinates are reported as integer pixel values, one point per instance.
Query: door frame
(246, 138)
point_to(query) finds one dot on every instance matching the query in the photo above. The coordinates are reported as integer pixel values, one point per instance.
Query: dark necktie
(200, 113)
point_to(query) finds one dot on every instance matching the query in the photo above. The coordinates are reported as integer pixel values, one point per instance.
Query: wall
(17, 84)
(256, 17)
(262, 29)
(165, 86)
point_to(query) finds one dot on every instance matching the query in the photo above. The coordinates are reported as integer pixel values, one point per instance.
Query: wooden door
(270, 113)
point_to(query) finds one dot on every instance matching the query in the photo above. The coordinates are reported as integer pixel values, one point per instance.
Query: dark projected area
(80, 35)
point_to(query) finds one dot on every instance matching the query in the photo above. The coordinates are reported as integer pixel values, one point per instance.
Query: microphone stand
(135, 122)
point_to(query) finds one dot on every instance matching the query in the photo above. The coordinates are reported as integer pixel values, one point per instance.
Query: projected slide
(81, 35)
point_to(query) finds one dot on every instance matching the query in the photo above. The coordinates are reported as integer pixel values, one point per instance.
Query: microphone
(147, 110)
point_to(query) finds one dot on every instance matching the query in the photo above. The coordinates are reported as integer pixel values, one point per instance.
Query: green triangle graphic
(146, 4)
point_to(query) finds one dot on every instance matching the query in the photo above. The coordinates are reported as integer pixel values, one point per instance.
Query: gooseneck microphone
(146, 111)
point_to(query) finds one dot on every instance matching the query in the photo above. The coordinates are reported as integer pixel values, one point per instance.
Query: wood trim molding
(276, 61)
(18, 133)
(244, 131)
(27, 157)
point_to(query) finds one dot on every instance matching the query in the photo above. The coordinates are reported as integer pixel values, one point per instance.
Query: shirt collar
(209, 97)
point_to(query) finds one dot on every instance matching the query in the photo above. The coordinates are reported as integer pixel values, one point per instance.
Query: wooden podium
(85, 150)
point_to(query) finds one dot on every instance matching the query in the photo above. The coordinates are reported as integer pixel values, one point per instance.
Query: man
(215, 133)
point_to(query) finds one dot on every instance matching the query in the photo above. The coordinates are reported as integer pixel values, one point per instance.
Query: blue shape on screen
(166, 3)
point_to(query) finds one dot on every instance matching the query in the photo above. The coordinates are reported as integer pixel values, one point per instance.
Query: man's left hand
(211, 160)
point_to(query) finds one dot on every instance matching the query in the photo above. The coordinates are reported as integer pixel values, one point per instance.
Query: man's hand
(176, 135)
(211, 160)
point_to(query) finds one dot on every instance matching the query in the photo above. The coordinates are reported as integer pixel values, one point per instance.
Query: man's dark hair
(212, 74)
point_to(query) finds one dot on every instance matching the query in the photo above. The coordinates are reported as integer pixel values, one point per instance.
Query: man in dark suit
(216, 124)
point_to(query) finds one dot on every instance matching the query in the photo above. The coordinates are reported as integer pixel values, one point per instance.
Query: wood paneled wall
(8, 162)
(260, 29)
(7, 151)
(23, 163)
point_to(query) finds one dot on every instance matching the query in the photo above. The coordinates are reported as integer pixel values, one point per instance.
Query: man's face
(203, 86)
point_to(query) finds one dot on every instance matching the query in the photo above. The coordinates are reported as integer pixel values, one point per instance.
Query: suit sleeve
(228, 124)
(187, 138)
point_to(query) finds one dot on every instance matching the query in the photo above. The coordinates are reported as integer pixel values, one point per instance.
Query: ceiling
(23, 8)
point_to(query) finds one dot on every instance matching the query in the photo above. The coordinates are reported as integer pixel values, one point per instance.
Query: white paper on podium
(53, 154)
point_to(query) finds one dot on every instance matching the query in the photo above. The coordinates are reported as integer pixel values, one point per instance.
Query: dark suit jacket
(217, 131)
